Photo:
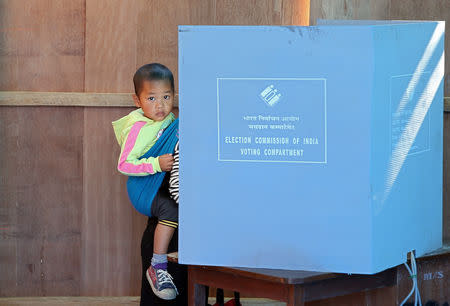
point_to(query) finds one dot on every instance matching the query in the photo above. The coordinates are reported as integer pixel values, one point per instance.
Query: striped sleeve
(174, 185)
(132, 148)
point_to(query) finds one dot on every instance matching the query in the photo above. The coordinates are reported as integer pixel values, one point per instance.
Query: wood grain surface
(349, 9)
(251, 12)
(40, 200)
(157, 32)
(111, 45)
(296, 12)
(110, 229)
(32, 98)
(42, 45)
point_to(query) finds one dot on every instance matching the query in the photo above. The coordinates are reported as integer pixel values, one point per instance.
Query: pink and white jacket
(136, 134)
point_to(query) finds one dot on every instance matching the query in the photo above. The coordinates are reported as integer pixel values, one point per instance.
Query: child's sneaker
(161, 282)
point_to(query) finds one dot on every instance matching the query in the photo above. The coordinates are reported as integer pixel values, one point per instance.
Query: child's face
(155, 99)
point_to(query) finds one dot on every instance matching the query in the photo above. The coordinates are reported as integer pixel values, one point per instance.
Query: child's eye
(151, 98)
(167, 97)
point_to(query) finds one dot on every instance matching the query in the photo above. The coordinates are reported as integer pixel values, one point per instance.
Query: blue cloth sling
(142, 189)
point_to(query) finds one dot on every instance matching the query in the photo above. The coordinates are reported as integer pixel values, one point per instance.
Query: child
(137, 132)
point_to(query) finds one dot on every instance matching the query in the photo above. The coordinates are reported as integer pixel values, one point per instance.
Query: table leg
(197, 293)
(295, 296)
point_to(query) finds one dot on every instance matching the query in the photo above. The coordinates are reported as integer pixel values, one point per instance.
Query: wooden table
(292, 287)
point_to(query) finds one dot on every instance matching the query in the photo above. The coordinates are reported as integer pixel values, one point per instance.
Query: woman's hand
(166, 162)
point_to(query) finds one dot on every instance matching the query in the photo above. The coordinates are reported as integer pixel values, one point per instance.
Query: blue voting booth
(311, 148)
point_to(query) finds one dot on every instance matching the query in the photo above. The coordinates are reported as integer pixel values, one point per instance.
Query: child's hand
(166, 162)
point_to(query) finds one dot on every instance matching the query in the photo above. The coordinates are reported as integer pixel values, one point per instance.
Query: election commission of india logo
(270, 95)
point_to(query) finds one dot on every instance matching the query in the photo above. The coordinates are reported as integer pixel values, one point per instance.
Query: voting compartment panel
(407, 136)
(288, 138)
(274, 165)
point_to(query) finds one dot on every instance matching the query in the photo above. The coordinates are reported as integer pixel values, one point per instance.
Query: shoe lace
(165, 277)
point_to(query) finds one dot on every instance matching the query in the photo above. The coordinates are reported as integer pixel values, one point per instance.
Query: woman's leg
(147, 295)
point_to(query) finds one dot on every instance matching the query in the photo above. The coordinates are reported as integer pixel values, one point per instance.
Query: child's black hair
(152, 72)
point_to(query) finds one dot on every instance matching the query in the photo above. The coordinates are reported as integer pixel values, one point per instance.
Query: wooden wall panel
(140, 32)
(96, 45)
(40, 200)
(262, 12)
(349, 9)
(42, 45)
(46, 47)
(295, 12)
(158, 20)
(111, 229)
(63, 201)
(250, 12)
(111, 45)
